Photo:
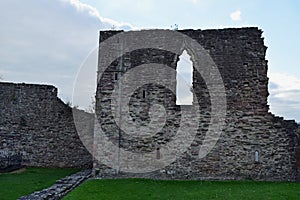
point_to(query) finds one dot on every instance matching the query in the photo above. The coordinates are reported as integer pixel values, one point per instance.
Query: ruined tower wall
(240, 57)
(39, 127)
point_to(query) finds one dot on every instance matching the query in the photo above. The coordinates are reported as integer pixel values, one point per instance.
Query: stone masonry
(254, 143)
(61, 187)
(36, 125)
(38, 129)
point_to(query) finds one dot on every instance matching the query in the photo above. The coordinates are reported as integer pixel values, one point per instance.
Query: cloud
(284, 97)
(194, 1)
(236, 15)
(48, 46)
(92, 11)
(286, 85)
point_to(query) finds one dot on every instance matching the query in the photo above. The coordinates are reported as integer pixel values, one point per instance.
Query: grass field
(153, 189)
(25, 182)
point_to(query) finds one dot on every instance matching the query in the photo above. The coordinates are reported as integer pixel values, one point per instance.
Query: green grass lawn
(16, 185)
(154, 189)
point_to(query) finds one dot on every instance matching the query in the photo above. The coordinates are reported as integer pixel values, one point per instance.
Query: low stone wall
(60, 188)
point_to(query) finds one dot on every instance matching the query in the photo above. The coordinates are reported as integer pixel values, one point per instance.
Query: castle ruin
(39, 128)
(253, 144)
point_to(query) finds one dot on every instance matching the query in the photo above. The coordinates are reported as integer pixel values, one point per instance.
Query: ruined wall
(240, 57)
(37, 128)
(37, 125)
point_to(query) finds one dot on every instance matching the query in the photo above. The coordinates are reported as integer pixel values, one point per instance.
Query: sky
(50, 41)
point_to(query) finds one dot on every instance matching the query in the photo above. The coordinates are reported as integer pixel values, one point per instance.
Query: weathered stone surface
(9, 161)
(39, 127)
(240, 57)
(36, 125)
(60, 188)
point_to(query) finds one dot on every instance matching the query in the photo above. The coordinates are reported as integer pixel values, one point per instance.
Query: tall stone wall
(249, 129)
(38, 126)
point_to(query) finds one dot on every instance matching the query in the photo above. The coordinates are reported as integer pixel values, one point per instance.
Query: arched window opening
(256, 156)
(184, 80)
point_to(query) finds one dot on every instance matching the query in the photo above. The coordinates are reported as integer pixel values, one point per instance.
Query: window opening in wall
(184, 80)
(256, 156)
(116, 76)
(157, 153)
(144, 94)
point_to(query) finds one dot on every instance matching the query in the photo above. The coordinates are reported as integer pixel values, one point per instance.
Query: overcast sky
(47, 41)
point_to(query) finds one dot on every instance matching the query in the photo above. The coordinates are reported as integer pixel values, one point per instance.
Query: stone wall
(240, 57)
(38, 129)
(37, 125)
